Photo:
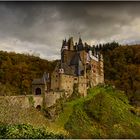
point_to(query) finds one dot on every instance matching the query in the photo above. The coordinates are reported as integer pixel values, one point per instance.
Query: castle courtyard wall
(55, 80)
(23, 101)
(52, 97)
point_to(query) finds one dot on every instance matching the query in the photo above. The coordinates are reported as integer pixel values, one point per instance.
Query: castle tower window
(38, 91)
(75, 78)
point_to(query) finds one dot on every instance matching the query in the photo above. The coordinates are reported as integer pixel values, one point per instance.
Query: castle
(80, 68)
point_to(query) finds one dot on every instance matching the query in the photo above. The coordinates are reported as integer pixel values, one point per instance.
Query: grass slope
(104, 113)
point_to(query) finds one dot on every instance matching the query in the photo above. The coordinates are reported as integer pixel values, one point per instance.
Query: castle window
(37, 91)
(38, 107)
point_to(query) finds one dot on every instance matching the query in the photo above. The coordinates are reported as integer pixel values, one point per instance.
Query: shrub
(24, 131)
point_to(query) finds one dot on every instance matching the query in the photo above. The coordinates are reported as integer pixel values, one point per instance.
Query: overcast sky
(40, 27)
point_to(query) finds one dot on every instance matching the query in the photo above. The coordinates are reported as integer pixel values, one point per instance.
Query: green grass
(104, 113)
(59, 124)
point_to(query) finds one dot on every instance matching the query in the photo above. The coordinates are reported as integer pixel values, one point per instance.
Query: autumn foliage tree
(122, 67)
(18, 70)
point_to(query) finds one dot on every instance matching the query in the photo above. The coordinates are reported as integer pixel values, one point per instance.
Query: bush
(23, 131)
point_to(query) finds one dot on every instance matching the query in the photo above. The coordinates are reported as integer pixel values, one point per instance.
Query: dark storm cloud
(41, 26)
(99, 20)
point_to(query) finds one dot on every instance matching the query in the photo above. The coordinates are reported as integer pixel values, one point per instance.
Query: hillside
(122, 68)
(17, 122)
(18, 70)
(104, 113)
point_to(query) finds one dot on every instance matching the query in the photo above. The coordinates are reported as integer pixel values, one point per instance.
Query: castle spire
(80, 41)
(71, 43)
(80, 44)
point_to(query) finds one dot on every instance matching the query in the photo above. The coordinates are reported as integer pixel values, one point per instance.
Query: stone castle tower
(78, 69)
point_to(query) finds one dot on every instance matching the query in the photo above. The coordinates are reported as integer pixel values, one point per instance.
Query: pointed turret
(80, 44)
(64, 45)
(80, 41)
(71, 43)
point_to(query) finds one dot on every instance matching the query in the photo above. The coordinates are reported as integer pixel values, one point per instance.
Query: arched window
(38, 107)
(37, 91)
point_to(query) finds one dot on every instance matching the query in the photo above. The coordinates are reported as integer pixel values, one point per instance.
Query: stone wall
(83, 56)
(23, 101)
(52, 97)
(82, 86)
(38, 101)
(55, 80)
(66, 83)
(34, 87)
(101, 71)
(97, 72)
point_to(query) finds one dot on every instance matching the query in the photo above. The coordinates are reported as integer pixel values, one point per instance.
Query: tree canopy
(18, 70)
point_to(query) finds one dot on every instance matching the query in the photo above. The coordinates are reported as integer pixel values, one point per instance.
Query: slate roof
(38, 81)
(75, 66)
(75, 60)
(69, 70)
(41, 81)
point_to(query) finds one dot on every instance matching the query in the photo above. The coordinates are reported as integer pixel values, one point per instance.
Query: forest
(122, 68)
(18, 70)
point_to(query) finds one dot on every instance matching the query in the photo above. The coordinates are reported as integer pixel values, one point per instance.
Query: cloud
(41, 26)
